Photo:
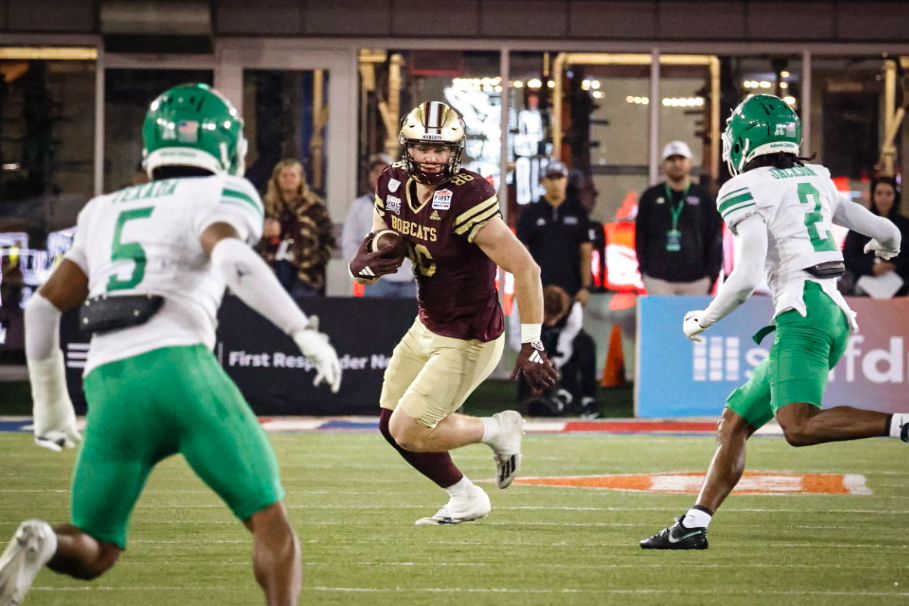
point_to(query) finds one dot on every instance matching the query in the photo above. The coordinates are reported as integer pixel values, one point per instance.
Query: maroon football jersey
(456, 291)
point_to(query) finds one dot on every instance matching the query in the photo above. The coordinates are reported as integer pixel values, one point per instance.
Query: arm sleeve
(750, 254)
(42, 328)
(250, 278)
(858, 218)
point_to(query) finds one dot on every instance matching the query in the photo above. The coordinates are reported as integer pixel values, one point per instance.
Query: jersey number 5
(814, 220)
(131, 251)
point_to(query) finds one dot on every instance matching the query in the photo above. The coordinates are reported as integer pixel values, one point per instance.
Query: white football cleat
(474, 506)
(32, 546)
(507, 446)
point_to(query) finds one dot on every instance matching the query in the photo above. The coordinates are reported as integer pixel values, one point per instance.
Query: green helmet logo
(760, 125)
(193, 125)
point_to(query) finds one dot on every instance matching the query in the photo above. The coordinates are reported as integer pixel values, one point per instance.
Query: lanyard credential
(674, 235)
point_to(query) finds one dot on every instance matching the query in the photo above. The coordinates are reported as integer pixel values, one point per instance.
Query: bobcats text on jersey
(456, 293)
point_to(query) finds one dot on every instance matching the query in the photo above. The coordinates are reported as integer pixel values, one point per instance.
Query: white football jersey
(797, 205)
(145, 240)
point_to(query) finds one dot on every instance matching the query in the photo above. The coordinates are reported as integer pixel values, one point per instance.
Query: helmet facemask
(433, 123)
(760, 125)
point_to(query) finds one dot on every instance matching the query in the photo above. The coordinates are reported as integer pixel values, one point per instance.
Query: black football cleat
(677, 536)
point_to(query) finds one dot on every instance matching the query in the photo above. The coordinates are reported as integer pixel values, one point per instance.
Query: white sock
(490, 429)
(460, 488)
(695, 518)
(896, 423)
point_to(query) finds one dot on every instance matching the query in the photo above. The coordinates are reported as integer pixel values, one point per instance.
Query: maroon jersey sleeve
(456, 292)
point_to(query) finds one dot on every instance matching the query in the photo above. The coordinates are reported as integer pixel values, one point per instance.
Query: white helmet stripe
(433, 116)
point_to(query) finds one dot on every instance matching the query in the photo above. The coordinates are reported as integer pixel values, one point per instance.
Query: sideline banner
(677, 377)
(269, 369)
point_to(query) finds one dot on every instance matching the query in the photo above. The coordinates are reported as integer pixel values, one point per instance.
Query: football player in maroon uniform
(455, 235)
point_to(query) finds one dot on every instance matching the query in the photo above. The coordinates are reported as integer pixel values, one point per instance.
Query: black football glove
(537, 369)
(368, 265)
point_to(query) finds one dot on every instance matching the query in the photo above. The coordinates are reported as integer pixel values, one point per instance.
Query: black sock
(437, 466)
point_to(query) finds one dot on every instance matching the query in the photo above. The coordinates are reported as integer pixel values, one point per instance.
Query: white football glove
(884, 253)
(692, 327)
(315, 346)
(54, 417)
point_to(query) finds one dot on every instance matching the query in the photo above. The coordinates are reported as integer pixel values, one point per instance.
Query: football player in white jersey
(149, 266)
(780, 210)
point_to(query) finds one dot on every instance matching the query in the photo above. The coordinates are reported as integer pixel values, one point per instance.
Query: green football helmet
(193, 125)
(760, 125)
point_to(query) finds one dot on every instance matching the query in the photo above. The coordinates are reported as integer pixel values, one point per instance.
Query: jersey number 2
(131, 251)
(814, 220)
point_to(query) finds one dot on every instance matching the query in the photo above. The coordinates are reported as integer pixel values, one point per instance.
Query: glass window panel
(684, 108)
(394, 82)
(741, 76)
(127, 95)
(47, 144)
(848, 118)
(286, 114)
(601, 129)
(47, 131)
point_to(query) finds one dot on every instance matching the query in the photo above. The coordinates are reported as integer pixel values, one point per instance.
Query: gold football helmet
(433, 123)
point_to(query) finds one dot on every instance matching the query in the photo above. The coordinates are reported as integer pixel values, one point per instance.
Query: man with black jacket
(678, 231)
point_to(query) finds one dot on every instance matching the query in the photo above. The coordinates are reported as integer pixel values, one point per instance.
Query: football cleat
(32, 546)
(507, 446)
(474, 506)
(677, 536)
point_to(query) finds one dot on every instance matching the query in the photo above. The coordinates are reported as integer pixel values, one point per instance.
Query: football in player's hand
(390, 243)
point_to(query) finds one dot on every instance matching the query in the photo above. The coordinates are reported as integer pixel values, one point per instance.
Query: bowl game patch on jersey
(441, 200)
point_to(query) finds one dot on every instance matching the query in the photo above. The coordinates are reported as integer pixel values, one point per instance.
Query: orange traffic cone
(614, 370)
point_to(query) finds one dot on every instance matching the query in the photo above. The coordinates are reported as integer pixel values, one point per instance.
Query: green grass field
(354, 503)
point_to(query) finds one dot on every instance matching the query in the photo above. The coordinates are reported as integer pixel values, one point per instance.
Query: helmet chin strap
(428, 178)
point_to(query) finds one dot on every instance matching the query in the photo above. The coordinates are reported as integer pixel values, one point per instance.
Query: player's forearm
(858, 218)
(750, 254)
(734, 291)
(528, 289)
(42, 328)
(250, 278)
(46, 366)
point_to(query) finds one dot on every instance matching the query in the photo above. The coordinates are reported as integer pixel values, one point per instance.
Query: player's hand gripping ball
(390, 244)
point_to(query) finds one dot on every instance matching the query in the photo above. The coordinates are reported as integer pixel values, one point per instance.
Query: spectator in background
(358, 223)
(557, 231)
(865, 267)
(678, 231)
(298, 240)
(574, 356)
